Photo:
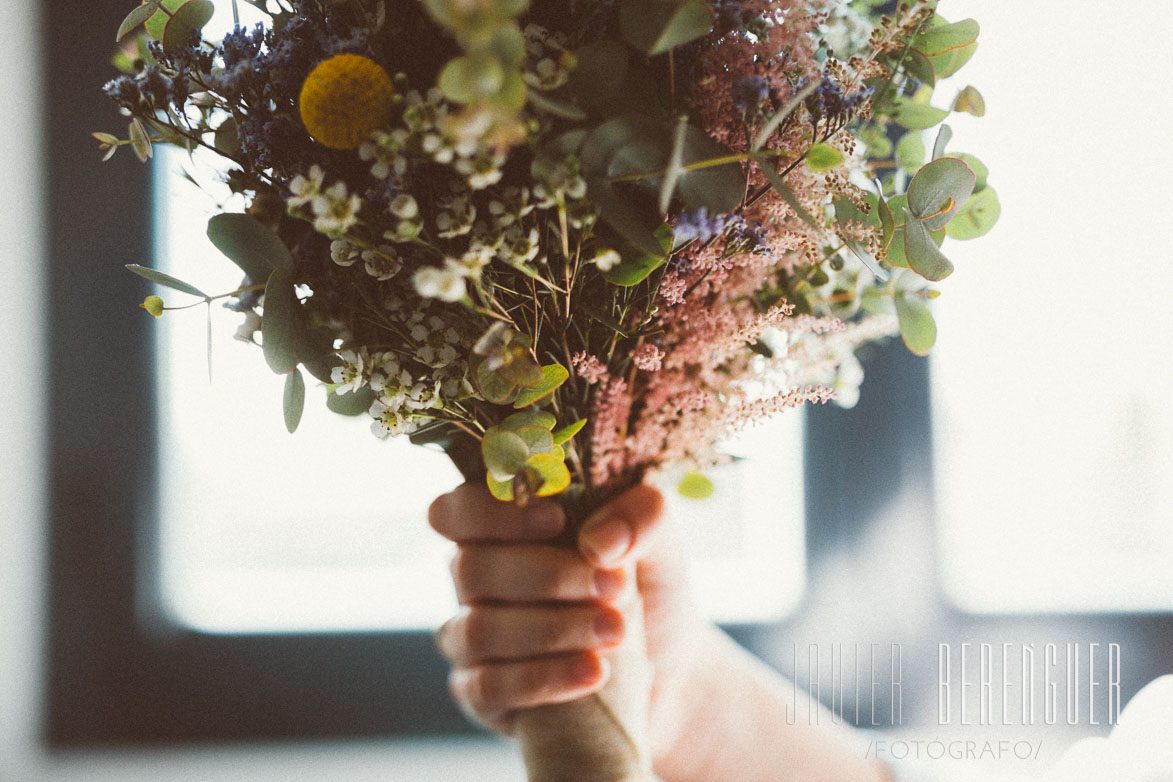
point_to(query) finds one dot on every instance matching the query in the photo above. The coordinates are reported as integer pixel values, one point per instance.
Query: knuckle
(476, 633)
(437, 513)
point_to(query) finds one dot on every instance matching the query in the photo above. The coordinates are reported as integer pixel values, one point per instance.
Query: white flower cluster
(403, 399)
(427, 134)
(335, 210)
(382, 262)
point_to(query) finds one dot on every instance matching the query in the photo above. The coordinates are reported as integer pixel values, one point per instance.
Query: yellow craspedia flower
(345, 99)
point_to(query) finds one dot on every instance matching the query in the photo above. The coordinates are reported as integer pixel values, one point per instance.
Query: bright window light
(1053, 423)
(325, 529)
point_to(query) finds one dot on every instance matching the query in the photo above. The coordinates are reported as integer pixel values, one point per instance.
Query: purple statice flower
(699, 225)
(750, 92)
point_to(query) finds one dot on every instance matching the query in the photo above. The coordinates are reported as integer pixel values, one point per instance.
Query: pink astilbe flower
(588, 367)
(648, 357)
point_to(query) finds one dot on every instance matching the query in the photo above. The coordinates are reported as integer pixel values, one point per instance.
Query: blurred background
(181, 597)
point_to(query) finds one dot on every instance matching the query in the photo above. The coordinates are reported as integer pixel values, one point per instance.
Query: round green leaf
(504, 453)
(910, 151)
(553, 375)
(464, 79)
(917, 116)
(922, 252)
(157, 21)
(554, 474)
(695, 486)
(251, 246)
(137, 17)
(281, 322)
(979, 169)
(537, 439)
(976, 217)
(501, 490)
(529, 418)
(917, 327)
(187, 20)
(943, 39)
(353, 403)
(949, 63)
(938, 189)
(294, 400)
(492, 386)
(823, 157)
(970, 101)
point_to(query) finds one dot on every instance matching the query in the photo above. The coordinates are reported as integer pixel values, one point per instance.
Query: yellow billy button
(345, 99)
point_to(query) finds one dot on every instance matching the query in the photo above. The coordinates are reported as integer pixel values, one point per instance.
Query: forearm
(738, 720)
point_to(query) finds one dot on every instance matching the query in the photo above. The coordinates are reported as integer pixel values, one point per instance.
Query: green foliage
(938, 189)
(917, 116)
(351, 404)
(823, 157)
(976, 217)
(293, 400)
(283, 322)
(656, 26)
(943, 39)
(970, 101)
(166, 280)
(921, 251)
(153, 305)
(250, 245)
(188, 19)
(553, 375)
(695, 486)
(564, 434)
(917, 327)
(910, 151)
(136, 17)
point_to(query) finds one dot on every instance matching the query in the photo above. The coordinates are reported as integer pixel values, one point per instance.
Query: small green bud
(153, 305)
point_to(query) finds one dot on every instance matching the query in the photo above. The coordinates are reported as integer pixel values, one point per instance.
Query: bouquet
(571, 242)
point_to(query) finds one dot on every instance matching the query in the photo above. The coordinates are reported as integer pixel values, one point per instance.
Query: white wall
(23, 400)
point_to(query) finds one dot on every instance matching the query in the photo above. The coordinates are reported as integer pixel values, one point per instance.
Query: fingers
(493, 633)
(469, 513)
(622, 529)
(527, 573)
(491, 691)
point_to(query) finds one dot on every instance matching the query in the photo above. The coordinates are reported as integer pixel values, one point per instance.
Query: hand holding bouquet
(570, 242)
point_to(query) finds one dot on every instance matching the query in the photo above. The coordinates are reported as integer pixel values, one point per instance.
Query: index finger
(469, 513)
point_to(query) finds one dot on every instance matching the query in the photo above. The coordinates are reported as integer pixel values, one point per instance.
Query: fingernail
(609, 627)
(608, 584)
(588, 669)
(609, 541)
(544, 518)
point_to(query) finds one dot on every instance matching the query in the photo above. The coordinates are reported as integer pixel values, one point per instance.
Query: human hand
(537, 619)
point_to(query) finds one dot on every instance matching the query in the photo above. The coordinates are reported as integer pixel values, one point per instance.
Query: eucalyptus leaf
(784, 192)
(910, 151)
(501, 490)
(250, 245)
(632, 270)
(355, 403)
(778, 117)
(917, 327)
(976, 217)
(536, 438)
(282, 322)
(504, 453)
(137, 17)
(540, 418)
(943, 39)
(656, 26)
(227, 140)
(188, 19)
(492, 386)
(979, 169)
(945, 65)
(553, 375)
(924, 257)
(938, 189)
(570, 430)
(554, 475)
(293, 400)
(865, 257)
(970, 101)
(917, 116)
(558, 108)
(823, 157)
(166, 280)
(942, 140)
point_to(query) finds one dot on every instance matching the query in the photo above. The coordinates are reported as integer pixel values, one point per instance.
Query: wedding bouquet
(571, 242)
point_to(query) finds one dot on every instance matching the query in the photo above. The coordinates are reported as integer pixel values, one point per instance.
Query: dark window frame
(118, 674)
